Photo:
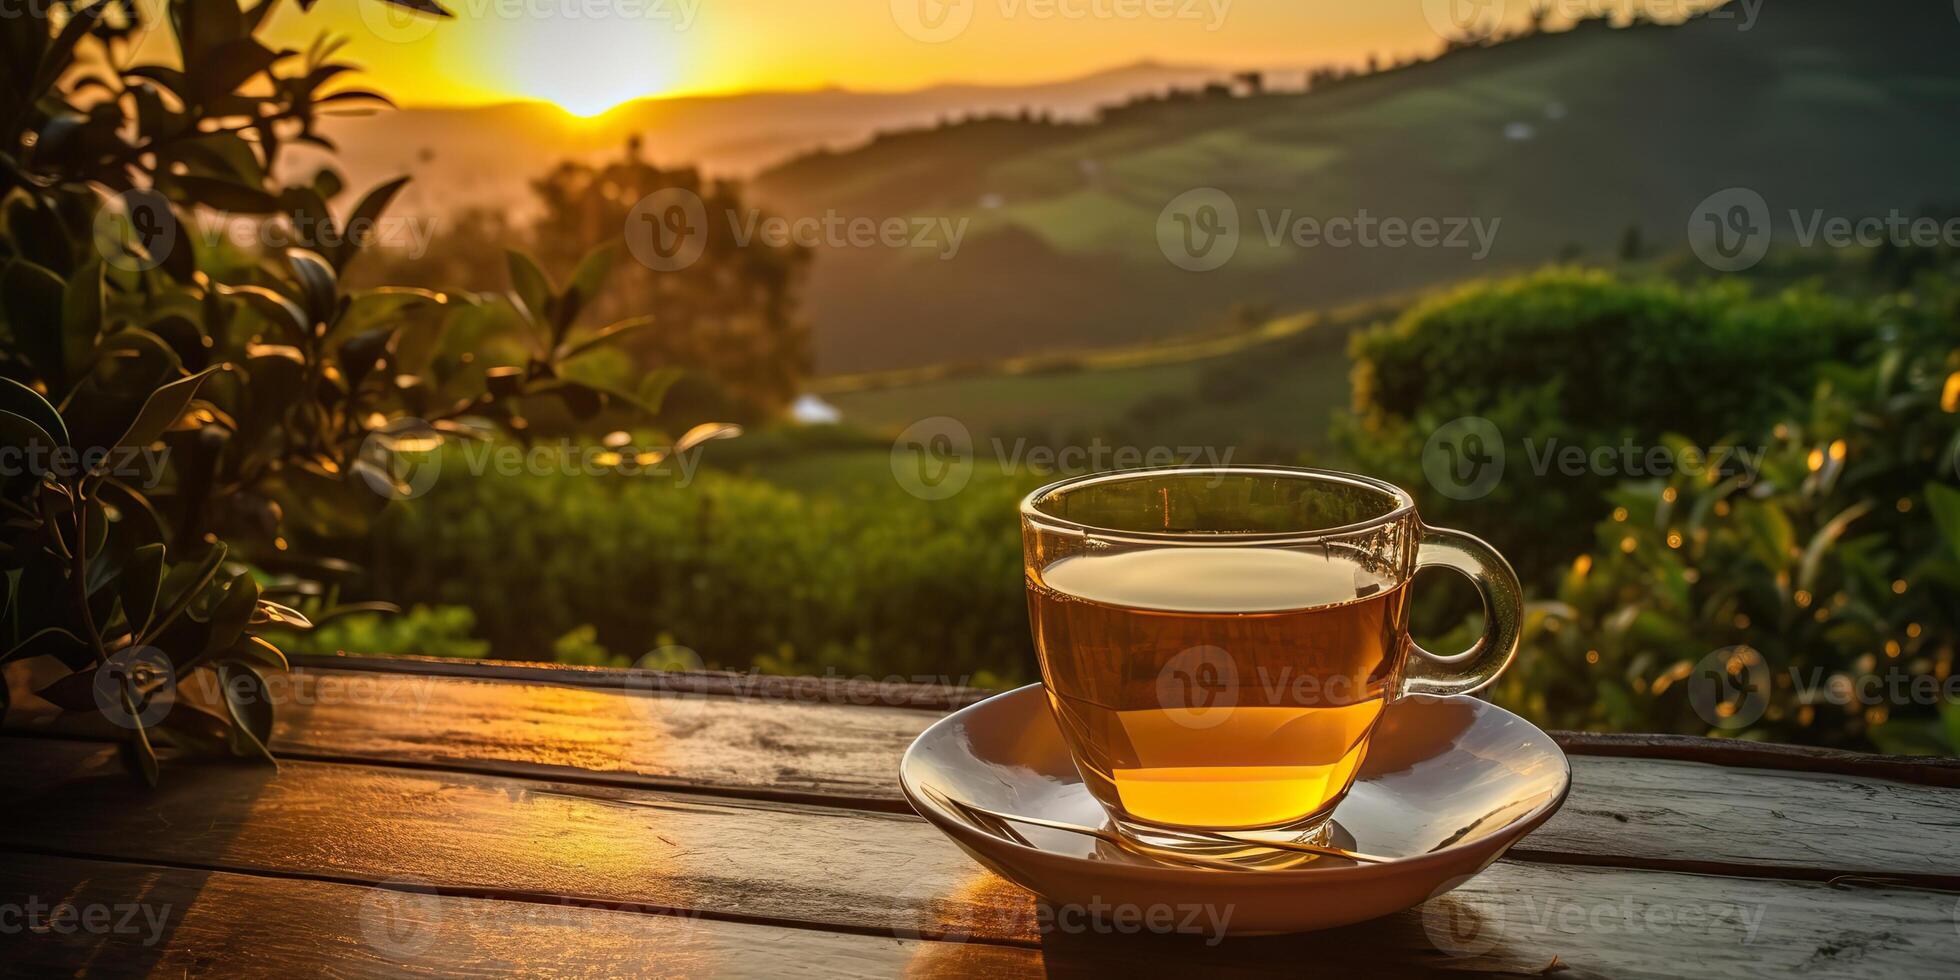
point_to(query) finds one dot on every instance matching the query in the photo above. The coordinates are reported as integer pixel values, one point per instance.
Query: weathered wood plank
(946, 695)
(1658, 813)
(832, 868)
(155, 921)
(1685, 815)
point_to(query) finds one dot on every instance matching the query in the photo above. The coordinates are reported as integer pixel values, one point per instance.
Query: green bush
(1582, 358)
(1795, 606)
(440, 631)
(860, 580)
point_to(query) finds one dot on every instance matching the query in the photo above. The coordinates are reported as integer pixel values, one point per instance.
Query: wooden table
(445, 818)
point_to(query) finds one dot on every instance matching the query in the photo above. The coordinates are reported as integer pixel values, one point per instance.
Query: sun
(589, 67)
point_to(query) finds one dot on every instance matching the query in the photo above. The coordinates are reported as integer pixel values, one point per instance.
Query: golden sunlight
(584, 71)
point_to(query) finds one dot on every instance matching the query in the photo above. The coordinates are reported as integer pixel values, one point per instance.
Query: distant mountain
(484, 155)
(1559, 143)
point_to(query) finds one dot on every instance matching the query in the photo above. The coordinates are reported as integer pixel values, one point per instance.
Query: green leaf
(28, 404)
(256, 651)
(81, 313)
(56, 642)
(164, 406)
(250, 709)
(72, 692)
(360, 223)
(1945, 504)
(231, 64)
(584, 288)
(610, 333)
(60, 54)
(425, 6)
(32, 297)
(275, 307)
(140, 584)
(1822, 542)
(225, 195)
(183, 583)
(196, 730)
(139, 740)
(529, 287)
(233, 613)
(706, 432)
(317, 283)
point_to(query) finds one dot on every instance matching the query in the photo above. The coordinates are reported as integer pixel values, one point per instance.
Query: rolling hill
(485, 155)
(1560, 141)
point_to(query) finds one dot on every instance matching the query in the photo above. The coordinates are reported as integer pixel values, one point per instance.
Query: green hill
(1566, 140)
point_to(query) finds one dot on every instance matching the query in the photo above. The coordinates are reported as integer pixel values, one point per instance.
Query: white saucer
(1449, 784)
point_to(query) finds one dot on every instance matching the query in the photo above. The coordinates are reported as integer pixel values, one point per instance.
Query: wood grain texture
(198, 923)
(892, 878)
(940, 698)
(857, 691)
(1655, 813)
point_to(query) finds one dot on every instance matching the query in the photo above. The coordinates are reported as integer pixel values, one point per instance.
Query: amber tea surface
(1218, 688)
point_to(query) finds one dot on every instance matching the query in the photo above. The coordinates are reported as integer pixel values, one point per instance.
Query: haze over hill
(462, 156)
(1548, 145)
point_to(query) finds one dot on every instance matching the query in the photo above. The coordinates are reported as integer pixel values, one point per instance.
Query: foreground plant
(179, 426)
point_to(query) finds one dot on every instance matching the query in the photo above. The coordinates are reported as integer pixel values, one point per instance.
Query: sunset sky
(588, 55)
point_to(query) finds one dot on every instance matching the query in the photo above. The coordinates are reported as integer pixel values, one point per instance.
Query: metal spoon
(1001, 822)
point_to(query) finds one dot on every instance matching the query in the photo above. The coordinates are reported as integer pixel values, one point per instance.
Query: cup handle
(1497, 584)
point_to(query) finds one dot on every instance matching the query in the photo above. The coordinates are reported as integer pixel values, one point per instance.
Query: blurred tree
(730, 314)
